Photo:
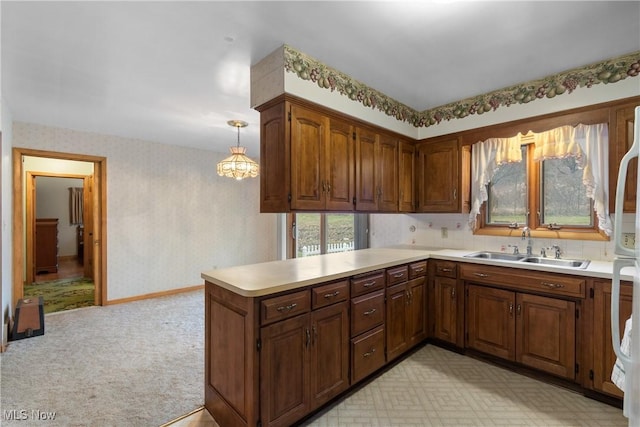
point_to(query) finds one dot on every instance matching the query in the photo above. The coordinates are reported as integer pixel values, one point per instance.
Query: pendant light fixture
(238, 165)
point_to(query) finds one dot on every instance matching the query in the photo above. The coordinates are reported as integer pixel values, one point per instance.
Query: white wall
(169, 216)
(52, 201)
(6, 198)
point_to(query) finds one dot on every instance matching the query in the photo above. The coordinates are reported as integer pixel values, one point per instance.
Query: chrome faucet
(543, 252)
(516, 251)
(557, 251)
(526, 234)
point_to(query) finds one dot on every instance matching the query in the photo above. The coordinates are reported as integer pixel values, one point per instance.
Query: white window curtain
(587, 143)
(76, 205)
(486, 157)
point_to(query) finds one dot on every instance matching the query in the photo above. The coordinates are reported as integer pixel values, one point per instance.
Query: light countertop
(256, 280)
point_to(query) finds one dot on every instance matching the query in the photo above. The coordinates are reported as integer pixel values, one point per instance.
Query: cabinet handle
(331, 295)
(406, 293)
(369, 312)
(308, 337)
(328, 188)
(398, 275)
(324, 186)
(287, 307)
(418, 269)
(481, 274)
(519, 309)
(369, 353)
(455, 194)
(368, 284)
(446, 270)
(453, 293)
(552, 285)
(511, 309)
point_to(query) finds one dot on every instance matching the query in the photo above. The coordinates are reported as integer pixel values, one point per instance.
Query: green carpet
(63, 294)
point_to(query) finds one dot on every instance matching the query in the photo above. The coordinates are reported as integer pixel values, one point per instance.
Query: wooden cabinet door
(396, 322)
(546, 334)
(624, 134)
(274, 159)
(603, 355)
(406, 177)
(284, 371)
(330, 353)
(366, 171)
(437, 170)
(417, 311)
(490, 321)
(339, 181)
(388, 174)
(445, 303)
(308, 133)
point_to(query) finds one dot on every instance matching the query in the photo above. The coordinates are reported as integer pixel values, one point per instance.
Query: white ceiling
(175, 72)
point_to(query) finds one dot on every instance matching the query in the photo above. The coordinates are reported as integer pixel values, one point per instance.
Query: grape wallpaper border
(605, 72)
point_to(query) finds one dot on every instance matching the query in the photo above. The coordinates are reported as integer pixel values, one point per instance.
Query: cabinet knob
(287, 307)
(511, 309)
(552, 285)
(453, 293)
(369, 353)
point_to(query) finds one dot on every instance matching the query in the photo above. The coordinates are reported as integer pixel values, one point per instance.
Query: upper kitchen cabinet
(376, 168)
(307, 160)
(442, 180)
(275, 155)
(321, 162)
(406, 176)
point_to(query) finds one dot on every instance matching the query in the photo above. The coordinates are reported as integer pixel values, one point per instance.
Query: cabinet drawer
(367, 311)
(445, 269)
(417, 269)
(397, 275)
(370, 282)
(329, 294)
(367, 353)
(520, 279)
(285, 306)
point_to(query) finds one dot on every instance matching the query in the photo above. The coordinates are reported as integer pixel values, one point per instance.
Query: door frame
(99, 243)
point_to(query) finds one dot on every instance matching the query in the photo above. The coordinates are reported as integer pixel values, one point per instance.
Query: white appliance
(630, 359)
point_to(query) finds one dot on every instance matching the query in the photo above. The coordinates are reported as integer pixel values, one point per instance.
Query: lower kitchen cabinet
(536, 331)
(444, 299)
(285, 371)
(406, 316)
(304, 362)
(329, 353)
(602, 343)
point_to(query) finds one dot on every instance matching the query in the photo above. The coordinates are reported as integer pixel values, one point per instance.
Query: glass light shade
(238, 165)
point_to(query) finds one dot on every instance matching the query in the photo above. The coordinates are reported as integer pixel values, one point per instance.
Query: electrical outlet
(445, 232)
(629, 240)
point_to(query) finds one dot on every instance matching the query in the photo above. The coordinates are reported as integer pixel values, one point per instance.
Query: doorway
(94, 217)
(58, 212)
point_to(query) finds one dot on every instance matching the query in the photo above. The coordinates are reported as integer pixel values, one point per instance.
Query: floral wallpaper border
(605, 72)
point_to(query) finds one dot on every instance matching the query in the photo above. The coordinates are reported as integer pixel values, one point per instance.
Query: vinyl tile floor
(437, 387)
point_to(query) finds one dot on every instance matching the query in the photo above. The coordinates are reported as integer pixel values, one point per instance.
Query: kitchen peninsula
(283, 338)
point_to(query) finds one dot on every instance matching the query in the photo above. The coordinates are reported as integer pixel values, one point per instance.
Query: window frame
(534, 202)
(361, 231)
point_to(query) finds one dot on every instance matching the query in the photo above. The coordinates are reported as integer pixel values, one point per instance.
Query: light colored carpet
(133, 364)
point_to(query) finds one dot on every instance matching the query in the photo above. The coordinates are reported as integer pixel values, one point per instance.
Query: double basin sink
(530, 259)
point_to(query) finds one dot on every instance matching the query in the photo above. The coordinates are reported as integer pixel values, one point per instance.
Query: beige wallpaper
(169, 216)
